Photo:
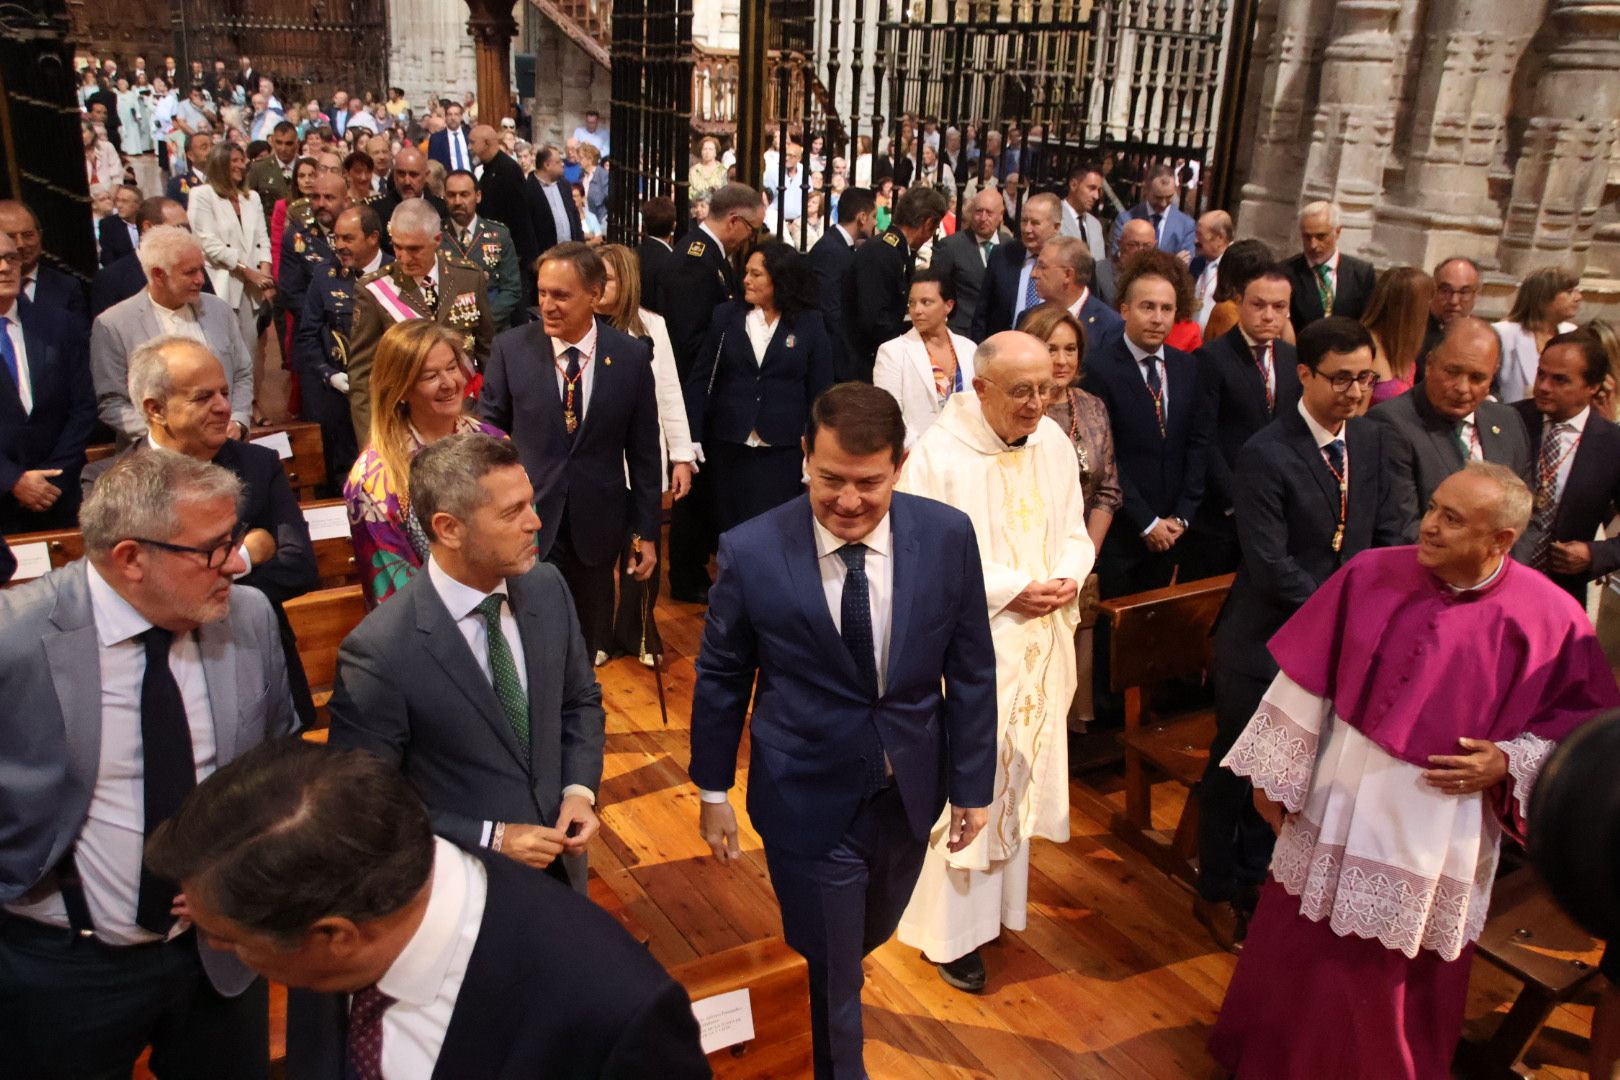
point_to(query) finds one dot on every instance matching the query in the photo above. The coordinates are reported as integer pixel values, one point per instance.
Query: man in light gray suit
(172, 303)
(127, 677)
(474, 677)
(1445, 420)
(964, 254)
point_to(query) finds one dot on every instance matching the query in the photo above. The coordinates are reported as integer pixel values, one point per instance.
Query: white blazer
(902, 368)
(229, 241)
(674, 435)
(1519, 359)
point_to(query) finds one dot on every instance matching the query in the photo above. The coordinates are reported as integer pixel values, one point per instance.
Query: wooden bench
(778, 985)
(60, 546)
(1529, 936)
(334, 552)
(321, 620)
(1157, 637)
(306, 468)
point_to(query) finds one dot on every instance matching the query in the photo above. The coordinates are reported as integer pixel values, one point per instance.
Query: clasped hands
(1044, 597)
(1163, 535)
(539, 845)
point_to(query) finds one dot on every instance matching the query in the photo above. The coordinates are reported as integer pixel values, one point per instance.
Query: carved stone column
(493, 28)
(1562, 167)
(1355, 116)
(1282, 111)
(1470, 50)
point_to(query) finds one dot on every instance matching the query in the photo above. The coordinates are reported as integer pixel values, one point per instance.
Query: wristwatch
(1182, 522)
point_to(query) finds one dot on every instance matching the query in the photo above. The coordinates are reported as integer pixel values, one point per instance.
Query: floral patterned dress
(390, 546)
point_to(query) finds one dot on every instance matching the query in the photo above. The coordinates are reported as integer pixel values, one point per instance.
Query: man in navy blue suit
(1176, 231)
(42, 284)
(1009, 276)
(1063, 274)
(861, 613)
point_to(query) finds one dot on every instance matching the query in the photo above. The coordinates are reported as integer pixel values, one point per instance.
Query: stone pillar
(1470, 50)
(493, 28)
(1282, 109)
(430, 54)
(1355, 116)
(1558, 184)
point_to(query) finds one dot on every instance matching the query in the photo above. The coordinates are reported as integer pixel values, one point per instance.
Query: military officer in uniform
(879, 279)
(421, 282)
(697, 280)
(486, 244)
(321, 344)
(198, 146)
(306, 246)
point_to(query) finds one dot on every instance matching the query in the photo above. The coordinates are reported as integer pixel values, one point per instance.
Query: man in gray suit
(474, 676)
(1445, 420)
(965, 254)
(127, 677)
(172, 303)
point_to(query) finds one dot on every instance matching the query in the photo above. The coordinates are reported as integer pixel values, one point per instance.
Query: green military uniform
(875, 299)
(490, 248)
(463, 306)
(265, 177)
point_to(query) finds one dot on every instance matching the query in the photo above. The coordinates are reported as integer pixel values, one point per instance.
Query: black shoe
(690, 596)
(965, 972)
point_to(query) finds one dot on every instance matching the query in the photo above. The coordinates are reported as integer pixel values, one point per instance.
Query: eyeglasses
(1024, 391)
(215, 556)
(1341, 380)
(1468, 292)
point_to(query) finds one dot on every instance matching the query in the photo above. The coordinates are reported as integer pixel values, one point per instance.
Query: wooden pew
(334, 551)
(321, 620)
(778, 985)
(60, 546)
(100, 452)
(1157, 637)
(306, 468)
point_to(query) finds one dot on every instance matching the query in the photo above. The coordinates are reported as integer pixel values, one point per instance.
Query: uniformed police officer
(486, 244)
(321, 344)
(306, 249)
(879, 277)
(198, 146)
(699, 279)
(422, 282)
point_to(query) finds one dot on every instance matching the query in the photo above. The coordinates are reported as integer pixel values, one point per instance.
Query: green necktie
(1462, 442)
(1324, 288)
(508, 687)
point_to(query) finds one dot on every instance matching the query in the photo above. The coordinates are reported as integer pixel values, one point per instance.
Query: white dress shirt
(464, 234)
(30, 283)
(425, 978)
(879, 590)
(458, 148)
(1333, 271)
(1074, 308)
(1023, 284)
(559, 216)
(849, 240)
(12, 323)
(1568, 433)
(1206, 293)
(759, 334)
(108, 852)
(587, 370)
(180, 321)
(1322, 435)
(1469, 434)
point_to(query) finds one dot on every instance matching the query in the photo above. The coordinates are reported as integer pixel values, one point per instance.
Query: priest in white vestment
(995, 456)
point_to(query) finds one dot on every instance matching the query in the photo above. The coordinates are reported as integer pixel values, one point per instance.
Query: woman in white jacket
(924, 366)
(634, 631)
(1545, 306)
(228, 220)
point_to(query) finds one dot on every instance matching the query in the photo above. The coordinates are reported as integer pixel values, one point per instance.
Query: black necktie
(1158, 219)
(573, 395)
(855, 627)
(170, 769)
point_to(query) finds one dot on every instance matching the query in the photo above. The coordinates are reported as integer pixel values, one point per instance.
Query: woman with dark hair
(1544, 307)
(924, 366)
(1242, 261)
(766, 359)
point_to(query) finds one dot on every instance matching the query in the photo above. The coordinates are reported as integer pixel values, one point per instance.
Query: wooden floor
(1112, 978)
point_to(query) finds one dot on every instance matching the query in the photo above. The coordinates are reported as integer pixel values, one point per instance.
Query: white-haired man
(172, 303)
(1326, 280)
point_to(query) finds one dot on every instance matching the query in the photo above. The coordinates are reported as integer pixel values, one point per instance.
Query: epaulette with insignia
(695, 248)
(298, 242)
(891, 239)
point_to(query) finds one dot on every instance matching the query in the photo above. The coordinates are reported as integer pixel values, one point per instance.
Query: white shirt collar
(1576, 423)
(459, 599)
(1140, 354)
(1321, 434)
(1492, 576)
(1074, 308)
(704, 225)
(586, 345)
(1332, 263)
(116, 618)
(878, 540)
(471, 227)
(848, 239)
(375, 263)
(184, 311)
(418, 971)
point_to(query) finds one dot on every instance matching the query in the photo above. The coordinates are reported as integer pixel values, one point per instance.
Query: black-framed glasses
(215, 556)
(1341, 380)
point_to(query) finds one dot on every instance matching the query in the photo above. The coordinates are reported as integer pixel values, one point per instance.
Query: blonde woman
(1545, 306)
(229, 223)
(709, 173)
(620, 305)
(418, 386)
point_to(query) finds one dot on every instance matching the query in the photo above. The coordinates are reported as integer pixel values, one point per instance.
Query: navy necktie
(855, 627)
(170, 769)
(1335, 453)
(8, 352)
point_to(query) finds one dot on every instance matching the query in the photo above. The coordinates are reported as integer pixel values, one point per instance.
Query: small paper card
(277, 442)
(33, 560)
(724, 1020)
(327, 522)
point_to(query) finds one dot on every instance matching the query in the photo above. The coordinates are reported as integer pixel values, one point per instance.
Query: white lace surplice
(1369, 845)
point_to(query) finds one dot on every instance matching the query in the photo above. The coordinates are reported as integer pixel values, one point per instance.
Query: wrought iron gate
(652, 109)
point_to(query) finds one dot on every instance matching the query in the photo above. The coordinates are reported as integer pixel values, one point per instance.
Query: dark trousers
(1210, 548)
(837, 908)
(1234, 841)
(328, 408)
(635, 630)
(72, 1008)
(63, 514)
(749, 480)
(591, 585)
(692, 538)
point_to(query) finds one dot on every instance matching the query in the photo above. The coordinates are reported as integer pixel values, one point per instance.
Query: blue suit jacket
(1180, 232)
(998, 296)
(729, 394)
(768, 616)
(54, 434)
(64, 293)
(439, 149)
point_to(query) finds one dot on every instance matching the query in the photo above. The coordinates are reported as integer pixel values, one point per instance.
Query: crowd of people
(906, 446)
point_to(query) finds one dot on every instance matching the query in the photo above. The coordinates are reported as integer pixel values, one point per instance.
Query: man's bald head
(485, 142)
(1138, 235)
(1012, 375)
(986, 213)
(410, 172)
(1458, 373)
(329, 198)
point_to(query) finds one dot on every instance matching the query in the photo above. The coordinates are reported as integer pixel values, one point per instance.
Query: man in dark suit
(657, 248)
(832, 255)
(42, 284)
(126, 675)
(542, 983)
(1009, 275)
(448, 146)
(1456, 288)
(703, 277)
(1174, 232)
(1576, 476)
(576, 396)
(408, 181)
(1247, 378)
(117, 233)
(861, 615)
(1446, 421)
(878, 281)
(965, 255)
(1297, 525)
(1326, 281)
(500, 195)
(47, 407)
(198, 147)
(483, 633)
(552, 213)
(1063, 273)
